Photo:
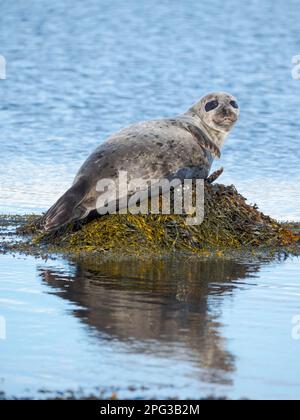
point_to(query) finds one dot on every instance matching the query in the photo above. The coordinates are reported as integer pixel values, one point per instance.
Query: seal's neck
(216, 136)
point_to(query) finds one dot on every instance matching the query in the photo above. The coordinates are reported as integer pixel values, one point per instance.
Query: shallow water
(78, 72)
(168, 328)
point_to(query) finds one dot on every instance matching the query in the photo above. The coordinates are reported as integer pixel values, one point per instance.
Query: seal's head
(218, 111)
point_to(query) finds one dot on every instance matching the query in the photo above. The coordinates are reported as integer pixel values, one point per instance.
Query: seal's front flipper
(214, 176)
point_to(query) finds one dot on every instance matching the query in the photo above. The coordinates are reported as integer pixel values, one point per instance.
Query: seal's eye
(234, 104)
(211, 105)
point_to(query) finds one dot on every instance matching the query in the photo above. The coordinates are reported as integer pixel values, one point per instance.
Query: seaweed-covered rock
(230, 223)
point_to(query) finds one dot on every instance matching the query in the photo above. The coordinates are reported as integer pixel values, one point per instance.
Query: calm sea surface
(78, 71)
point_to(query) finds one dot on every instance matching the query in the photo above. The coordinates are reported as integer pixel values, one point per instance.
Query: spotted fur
(183, 147)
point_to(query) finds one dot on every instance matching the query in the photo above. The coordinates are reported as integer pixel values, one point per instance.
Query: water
(168, 328)
(78, 72)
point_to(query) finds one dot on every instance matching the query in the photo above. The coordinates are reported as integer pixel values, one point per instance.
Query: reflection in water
(161, 307)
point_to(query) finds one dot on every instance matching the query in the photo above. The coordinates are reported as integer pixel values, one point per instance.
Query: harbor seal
(182, 147)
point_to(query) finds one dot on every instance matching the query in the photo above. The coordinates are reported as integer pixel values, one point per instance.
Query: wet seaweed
(230, 224)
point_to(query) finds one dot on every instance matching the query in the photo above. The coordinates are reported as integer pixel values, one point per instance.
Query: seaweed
(229, 224)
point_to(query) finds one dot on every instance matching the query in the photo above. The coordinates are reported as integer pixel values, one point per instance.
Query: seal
(183, 147)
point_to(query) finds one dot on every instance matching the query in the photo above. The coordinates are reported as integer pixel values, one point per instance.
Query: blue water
(144, 329)
(78, 71)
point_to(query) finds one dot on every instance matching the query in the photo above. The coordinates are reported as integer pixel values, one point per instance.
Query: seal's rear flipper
(214, 176)
(67, 209)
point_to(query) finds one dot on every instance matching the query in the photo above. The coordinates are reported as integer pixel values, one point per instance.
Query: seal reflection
(166, 307)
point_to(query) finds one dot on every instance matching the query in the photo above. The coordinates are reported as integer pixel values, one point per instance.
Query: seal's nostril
(226, 112)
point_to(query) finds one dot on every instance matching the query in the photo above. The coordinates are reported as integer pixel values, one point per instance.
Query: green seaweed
(230, 224)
